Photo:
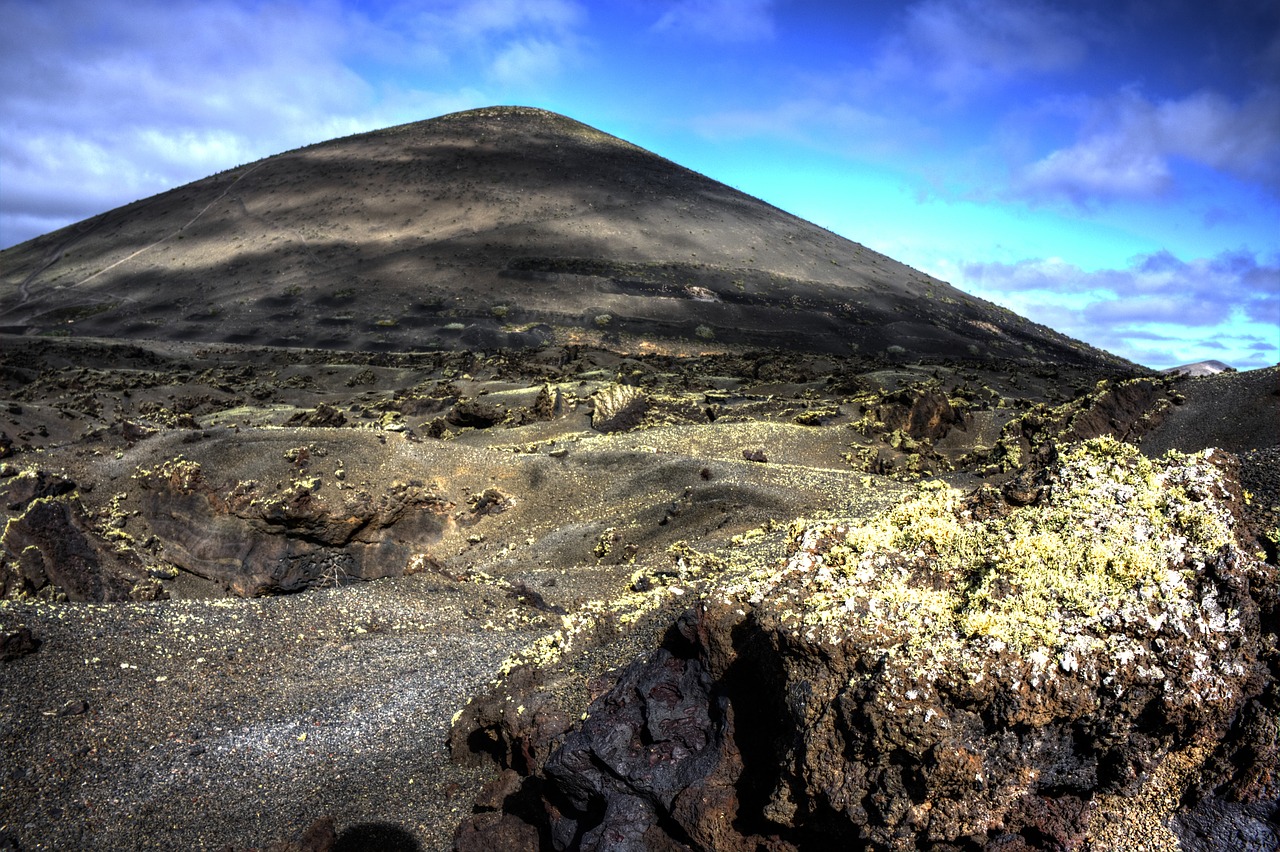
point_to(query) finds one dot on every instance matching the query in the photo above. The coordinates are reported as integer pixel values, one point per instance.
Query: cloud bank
(1155, 310)
(107, 102)
(1129, 146)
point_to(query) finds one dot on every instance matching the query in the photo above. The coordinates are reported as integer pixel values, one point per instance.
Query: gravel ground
(1234, 411)
(208, 724)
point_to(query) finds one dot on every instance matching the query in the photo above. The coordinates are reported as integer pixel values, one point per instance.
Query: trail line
(168, 236)
(24, 289)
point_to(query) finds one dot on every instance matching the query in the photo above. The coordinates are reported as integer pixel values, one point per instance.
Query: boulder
(923, 413)
(618, 408)
(18, 643)
(1045, 677)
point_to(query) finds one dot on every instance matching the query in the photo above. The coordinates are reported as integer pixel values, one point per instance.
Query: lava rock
(477, 414)
(853, 698)
(324, 416)
(18, 643)
(618, 408)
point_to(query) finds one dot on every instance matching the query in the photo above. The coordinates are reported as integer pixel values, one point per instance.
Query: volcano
(498, 227)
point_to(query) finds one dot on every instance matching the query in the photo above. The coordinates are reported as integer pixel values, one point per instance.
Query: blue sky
(1111, 169)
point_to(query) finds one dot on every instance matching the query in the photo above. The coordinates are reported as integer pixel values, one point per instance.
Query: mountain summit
(505, 226)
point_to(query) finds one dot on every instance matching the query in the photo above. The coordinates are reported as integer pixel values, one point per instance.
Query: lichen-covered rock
(922, 413)
(618, 408)
(323, 416)
(1051, 676)
(549, 404)
(1124, 410)
(19, 490)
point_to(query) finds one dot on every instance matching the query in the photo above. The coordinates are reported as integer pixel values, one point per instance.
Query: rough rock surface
(924, 414)
(618, 408)
(1055, 677)
(17, 643)
(255, 541)
(52, 550)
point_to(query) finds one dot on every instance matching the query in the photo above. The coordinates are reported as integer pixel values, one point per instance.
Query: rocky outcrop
(477, 413)
(1053, 676)
(618, 408)
(925, 414)
(256, 540)
(322, 416)
(1124, 410)
(51, 549)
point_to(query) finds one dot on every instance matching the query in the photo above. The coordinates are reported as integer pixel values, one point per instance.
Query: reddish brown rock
(51, 549)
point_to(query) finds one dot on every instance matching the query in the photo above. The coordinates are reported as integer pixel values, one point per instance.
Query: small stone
(18, 643)
(74, 708)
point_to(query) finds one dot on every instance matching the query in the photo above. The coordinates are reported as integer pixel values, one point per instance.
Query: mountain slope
(493, 227)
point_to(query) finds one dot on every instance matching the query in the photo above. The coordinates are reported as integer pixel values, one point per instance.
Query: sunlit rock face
(955, 674)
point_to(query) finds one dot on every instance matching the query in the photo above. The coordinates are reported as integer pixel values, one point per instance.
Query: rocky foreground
(572, 598)
(1094, 669)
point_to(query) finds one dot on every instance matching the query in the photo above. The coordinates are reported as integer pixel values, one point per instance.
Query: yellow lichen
(1115, 528)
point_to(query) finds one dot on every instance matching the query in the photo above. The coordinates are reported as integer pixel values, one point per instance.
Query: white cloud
(1160, 310)
(960, 47)
(720, 20)
(107, 101)
(1130, 145)
(527, 60)
(1104, 166)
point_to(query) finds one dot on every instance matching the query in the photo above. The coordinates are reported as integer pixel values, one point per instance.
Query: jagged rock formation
(256, 541)
(1044, 679)
(618, 408)
(50, 548)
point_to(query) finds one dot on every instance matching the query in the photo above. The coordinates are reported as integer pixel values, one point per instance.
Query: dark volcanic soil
(200, 720)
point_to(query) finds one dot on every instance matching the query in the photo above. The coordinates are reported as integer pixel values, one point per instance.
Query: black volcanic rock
(902, 684)
(17, 643)
(495, 228)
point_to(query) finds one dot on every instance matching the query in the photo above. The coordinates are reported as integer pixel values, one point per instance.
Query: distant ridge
(1199, 368)
(496, 227)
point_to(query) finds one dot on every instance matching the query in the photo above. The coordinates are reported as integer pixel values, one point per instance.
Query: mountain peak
(493, 227)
